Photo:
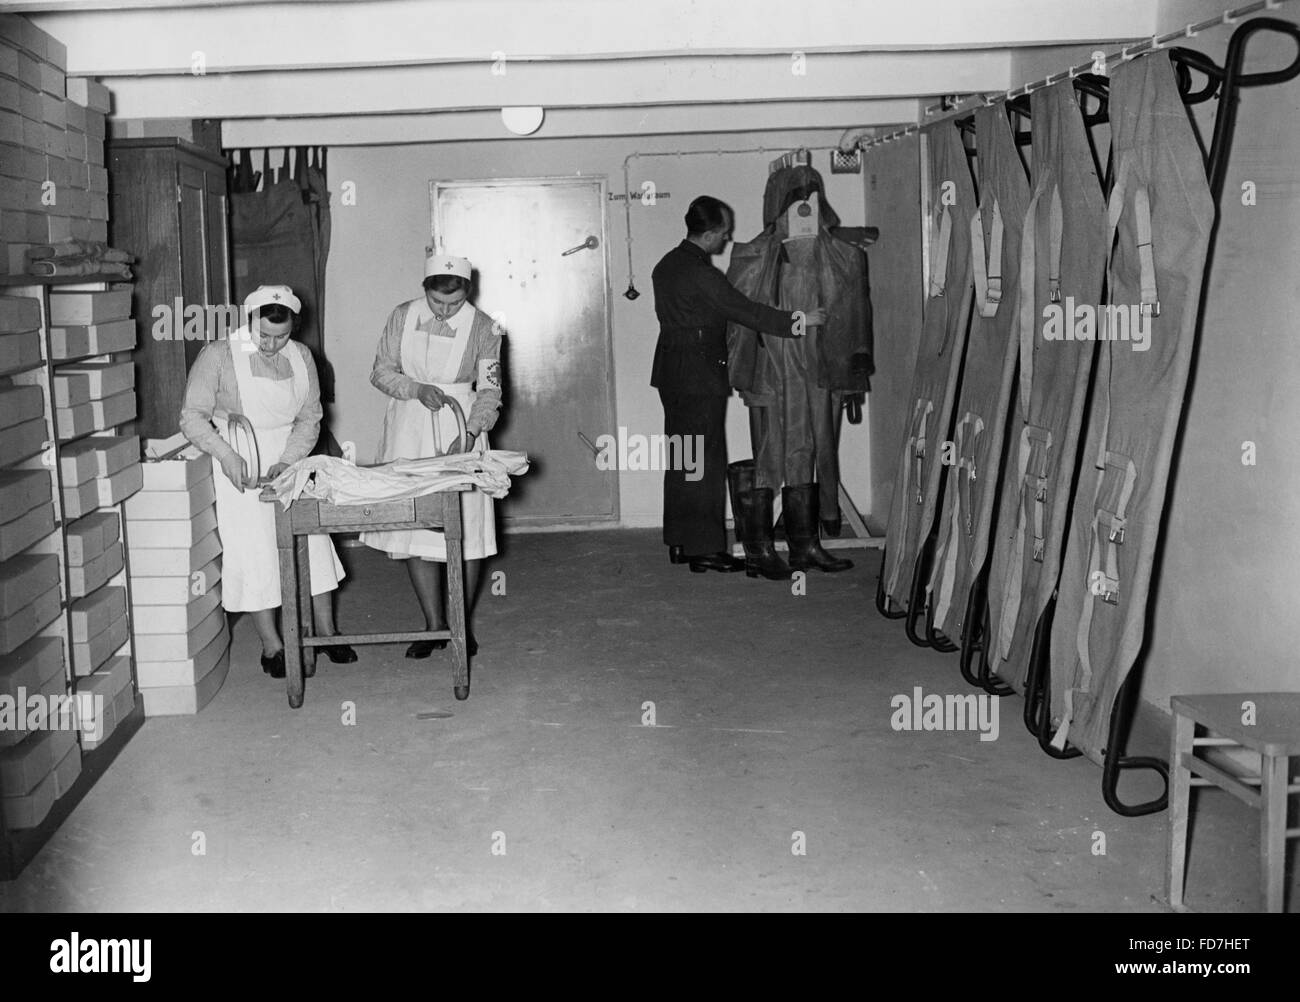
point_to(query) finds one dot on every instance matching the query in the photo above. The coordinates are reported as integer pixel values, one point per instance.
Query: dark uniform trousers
(694, 510)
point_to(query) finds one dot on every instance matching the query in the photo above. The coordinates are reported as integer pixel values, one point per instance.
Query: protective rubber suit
(794, 388)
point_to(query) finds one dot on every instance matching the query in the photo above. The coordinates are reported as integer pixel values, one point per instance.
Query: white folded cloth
(340, 482)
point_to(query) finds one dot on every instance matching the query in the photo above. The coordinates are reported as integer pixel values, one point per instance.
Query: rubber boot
(753, 510)
(799, 507)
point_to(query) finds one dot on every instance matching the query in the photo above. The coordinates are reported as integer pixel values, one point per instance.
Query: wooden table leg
(289, 608)
(1272, 847)
(453, 534)
(1180, 783)
(305, 618)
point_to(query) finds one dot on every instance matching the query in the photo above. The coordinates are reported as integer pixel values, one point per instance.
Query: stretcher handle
(237, 422)
(461, 442)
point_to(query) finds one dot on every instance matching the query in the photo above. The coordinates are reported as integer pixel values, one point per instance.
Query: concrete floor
(773, 718)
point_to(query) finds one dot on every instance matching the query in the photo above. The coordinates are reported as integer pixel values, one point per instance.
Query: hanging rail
(1126, 53)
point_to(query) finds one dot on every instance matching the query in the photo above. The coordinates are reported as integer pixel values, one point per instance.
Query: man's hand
(234, 467)
(276, 470)
(432, 397)
(815, 318)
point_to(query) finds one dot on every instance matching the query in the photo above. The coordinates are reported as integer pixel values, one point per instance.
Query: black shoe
(423, 648)
(274, 664)
(723, 562)
(676, 555)
(340, 654)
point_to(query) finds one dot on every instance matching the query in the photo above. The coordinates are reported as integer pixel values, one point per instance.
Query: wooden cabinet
(168, 206)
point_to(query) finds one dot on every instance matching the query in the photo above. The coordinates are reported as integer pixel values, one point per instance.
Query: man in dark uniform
(694, 301)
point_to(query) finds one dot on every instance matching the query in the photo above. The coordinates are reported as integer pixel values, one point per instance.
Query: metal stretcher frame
(306, 516)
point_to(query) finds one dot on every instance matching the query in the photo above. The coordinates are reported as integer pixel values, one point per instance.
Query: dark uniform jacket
(694, 301)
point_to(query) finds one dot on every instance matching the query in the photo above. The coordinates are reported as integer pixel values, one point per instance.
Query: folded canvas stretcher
(938, 363)
(966, 519)
(1160, 217)
(1062, 263)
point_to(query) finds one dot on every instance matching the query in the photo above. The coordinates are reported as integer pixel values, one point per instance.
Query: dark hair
(445, 285)
(707, 213)
(276, 313)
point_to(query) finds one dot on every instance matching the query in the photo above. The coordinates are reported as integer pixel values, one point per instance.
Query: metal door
(538, 250)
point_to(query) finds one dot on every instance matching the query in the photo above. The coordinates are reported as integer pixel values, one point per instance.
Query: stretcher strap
(913, 471)
(942, 242)
(1056, 228)
(1109, 520)
(1146, 259)
(1027, 315)
(988, 267)
(969, 430)
(1035, 445)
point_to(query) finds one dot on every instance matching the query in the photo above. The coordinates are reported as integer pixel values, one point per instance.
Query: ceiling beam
(698, 80)
(568, 123)
(148, 38)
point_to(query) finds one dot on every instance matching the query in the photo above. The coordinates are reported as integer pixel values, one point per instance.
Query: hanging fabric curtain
(1062, 263)
(968, 505)
(280, 234)
(938, 361)
(1159, 218)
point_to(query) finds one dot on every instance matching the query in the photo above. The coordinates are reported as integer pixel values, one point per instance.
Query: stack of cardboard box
(53, 185)
(182, 641)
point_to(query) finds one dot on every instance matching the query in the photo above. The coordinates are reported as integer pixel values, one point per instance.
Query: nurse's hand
(276, 470)
(234, 467)
(432, 397)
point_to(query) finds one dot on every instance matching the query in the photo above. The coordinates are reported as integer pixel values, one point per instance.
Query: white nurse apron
(409, 433)
(250, 562)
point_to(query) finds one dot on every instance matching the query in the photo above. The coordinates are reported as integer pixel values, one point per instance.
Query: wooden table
(439, 511)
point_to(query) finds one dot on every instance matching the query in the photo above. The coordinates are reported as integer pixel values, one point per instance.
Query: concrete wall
(376, 260)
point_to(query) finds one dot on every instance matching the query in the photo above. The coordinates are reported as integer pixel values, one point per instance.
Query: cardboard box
(29, 620)
(147, 591)
(76, 309)
(96, 180)
(120, 486)
(76, 118)
(19, 404)
(80, 500)
(25, 576)
(113, 411)
(107, 682)
(172, 504)
(74, 421)
(67, 771)
(30, 810)
(88, 537)
(170, 532)
(22, 441)
(156, 620)
(114, 709)
(177, 474)
(96, 379)
(95, 573)
(11, 127)
(24, 765)
(123, 705)
(89, 94)
(19, 314)
(31, 666)
(54, 82)
(97, 339)
(19, 352)
(8, 53)
(185, 670)
(27, 529)
(51, 685)
(52, 109)
(23, 490)
(88, 656)
(29, 101)
(186, 699)
(180, 561)
(102, 455)
(96, 612)
(165, 651)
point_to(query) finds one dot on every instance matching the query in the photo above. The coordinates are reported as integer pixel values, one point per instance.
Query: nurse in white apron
(435, 348)
(271, 380)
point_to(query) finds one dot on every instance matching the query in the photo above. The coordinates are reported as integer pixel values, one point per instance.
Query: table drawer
(360, 515)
